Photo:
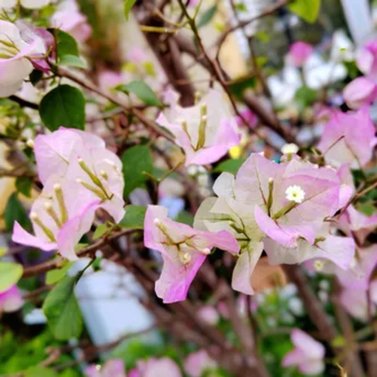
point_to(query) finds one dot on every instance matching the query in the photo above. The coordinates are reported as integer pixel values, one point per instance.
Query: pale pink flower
(308, 354)
(112, 368)
(108, 80)
(209, 314)
(205, 131)
(197, 363)
(299, 52)
(349, 138)
(82, 157)
(183, 250)
(366, 59)
(61, 215)
(69, 19)
(163, 367)
(137, 55)
(360, 92)
(16, 56)
(10, 300)
(353, 222)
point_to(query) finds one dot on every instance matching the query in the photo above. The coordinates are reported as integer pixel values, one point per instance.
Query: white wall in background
(359, 19)
(109, 303)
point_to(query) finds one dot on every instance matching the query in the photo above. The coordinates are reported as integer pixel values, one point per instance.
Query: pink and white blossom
(360, 92)
(349, 138)
(156, 368)
(197, 363)
(82, 157)
(69, 18)
(11, 300)
(307, 355)
(61, 215)
(205, 131)
(183, 250)
(112, 368)
(17, 54)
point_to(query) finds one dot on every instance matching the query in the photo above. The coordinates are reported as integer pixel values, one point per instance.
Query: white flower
(289, 149)
(295, 194)
(30, 4)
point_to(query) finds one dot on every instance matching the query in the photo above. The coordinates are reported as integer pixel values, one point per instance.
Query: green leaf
(65, 45)
(39, 371)
(137, 164)
(134, 217)
(230, 166)
(207, 16)
(53, 276)
(308, 10)
(63, 106)
(62, 310)
(10, 274)
(128, 4)
(24, 185)
(100, 231)
(14, 211)
(305, 97)
(142, 90)
(73, 61)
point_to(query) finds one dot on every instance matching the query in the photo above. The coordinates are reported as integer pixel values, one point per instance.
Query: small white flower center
(295, 194)
(289, 149)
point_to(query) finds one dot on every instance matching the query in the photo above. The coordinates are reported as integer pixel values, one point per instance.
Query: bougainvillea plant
(242, 202)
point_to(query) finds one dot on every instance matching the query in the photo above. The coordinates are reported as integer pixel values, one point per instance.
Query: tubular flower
(183, 250)
(82, 157)
(17, 53)
(60, 216)
(205, 131)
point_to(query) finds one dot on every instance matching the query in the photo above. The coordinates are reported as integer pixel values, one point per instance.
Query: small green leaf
(128, 4)
(142, 90)
(230, 166)
(100, 231)
(137, 164)
(134, 217)
(10, 274)
(73, 61)
(14, 211)
(62, 310)
(39, 371)
(308, 10)
(305, 97)
(207, 16)
(65, 45)
(53, 276)
(63, 106)
(24, 185)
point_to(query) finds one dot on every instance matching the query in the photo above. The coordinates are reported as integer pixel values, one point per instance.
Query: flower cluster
(79, 176)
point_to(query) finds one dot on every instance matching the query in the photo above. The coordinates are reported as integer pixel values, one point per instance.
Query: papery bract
(61, 215)
(205, 131)
(197, 363)
(349, 138)
(82, 157)
(16, 56)
(69, 19)
(360, 92)
(308, 354)
(10, 300)
(112, 368)
(183, 250)
(156, 368)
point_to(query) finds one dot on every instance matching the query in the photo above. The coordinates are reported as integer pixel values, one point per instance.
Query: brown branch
(90, 250)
